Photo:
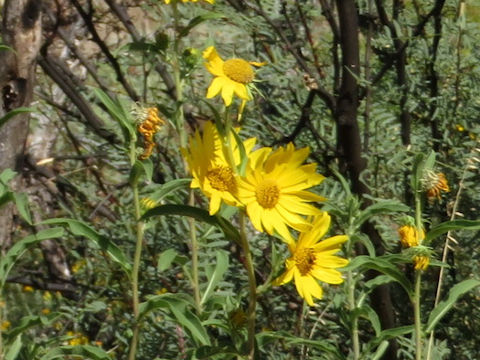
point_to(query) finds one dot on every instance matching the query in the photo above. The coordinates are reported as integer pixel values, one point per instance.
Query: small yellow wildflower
(314, 260)
(459, 128)
(232, 76)
(6, 325)
(273, 190)
(421, 262)
(410, 236)
(46, 311)
(161, 291)
(147, 203)
(77, 339)
(28, 288)
(47, 296)
(434, 184)
(210, 169)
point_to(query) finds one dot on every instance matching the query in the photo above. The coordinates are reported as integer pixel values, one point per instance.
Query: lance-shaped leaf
(443, 307)
(447, 226)
(223, 224)
(79, 228)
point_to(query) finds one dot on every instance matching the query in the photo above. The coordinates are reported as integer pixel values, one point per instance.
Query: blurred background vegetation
(366, 84)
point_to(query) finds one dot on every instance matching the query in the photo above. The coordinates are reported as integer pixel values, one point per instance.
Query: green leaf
(7, 175)
(86, 351)
(19, 248)
(115, 109)
(165, 259)
(14, 349)
(382, 266)
(443, 307)
(209, 352)
(198, 20)
(14, 112)
(223, 224)
(381, 208)
(21, 201)
(178, 307)
(266, 336)
(368, 313)
(220, 269)
(447, 226)
(167, 188)
(380, 350)
(80, 228)
(30, 321)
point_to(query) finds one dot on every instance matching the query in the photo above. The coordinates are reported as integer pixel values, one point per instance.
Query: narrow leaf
(447, 226)
(443, 307)
(223, 224)
(14, 112)
(165, 259)
(19, 248)
(86, 351)
(220, 269)
(80, 228)
(177, 307)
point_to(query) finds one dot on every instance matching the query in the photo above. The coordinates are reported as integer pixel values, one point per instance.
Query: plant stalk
(418, 320)
(136, 261)
(252, 285)
(194, 249)
(351, 301)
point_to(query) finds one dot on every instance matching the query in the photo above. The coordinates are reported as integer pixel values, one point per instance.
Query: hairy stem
(136, 261)
(252, 286)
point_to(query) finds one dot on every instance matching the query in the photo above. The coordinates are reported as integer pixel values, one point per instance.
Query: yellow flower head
(5, 325)
(232, 76)
(169, 1)
(433, 184)
(273, 190)
(421, 262)
(313, 260)
(410, 236)
(210, 170)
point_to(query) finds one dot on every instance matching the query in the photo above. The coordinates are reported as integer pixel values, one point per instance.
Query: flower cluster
(148, 125)
(273, 190)
(411, 238)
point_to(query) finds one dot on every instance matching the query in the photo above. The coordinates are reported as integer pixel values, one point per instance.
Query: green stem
(194, 249)
(352, 304)
(252, 285)
(1, 323)
(418, 320)
(136, 263)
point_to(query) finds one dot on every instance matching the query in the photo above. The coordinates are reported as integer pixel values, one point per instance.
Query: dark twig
(106, 51)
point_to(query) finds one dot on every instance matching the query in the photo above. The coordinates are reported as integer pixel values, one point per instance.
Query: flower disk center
(305, 259)
(267, 194)
(221, 178)
(238, 70)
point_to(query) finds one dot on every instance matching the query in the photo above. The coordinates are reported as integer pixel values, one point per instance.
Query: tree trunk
(350, 146)
(21, 31)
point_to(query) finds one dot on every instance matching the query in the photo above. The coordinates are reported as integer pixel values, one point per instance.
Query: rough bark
(21, 31)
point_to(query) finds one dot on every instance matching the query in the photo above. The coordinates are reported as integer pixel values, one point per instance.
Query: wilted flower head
(433, 184)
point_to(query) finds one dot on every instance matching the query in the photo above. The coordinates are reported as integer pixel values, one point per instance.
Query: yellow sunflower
(314, 260)
(210, 169)
(274, 190)
(232, 76)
